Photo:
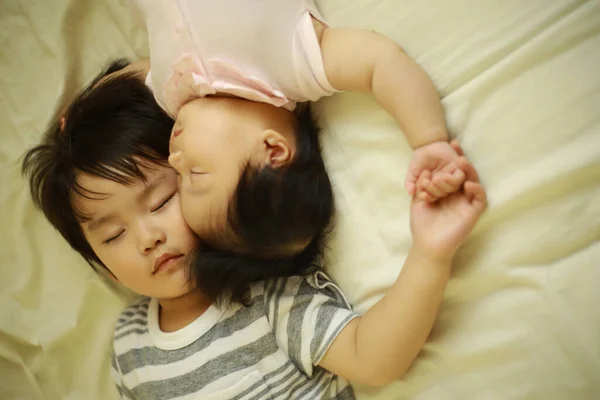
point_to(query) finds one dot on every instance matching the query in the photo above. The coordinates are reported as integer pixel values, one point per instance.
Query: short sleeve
(308, 60)
(306, 314)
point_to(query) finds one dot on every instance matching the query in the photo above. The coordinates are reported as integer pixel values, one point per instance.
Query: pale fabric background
(521, 86)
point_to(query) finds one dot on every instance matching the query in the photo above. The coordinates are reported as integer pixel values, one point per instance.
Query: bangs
(114, 131)
(123, 109)
(126, 171)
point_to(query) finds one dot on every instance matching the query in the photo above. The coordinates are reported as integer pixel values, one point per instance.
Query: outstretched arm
(366, 61)
(380, 346)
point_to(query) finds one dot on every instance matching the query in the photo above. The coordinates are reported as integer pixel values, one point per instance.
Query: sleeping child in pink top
(237, 77)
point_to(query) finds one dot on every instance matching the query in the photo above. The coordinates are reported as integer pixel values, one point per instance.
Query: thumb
(410, 184)
(456, 147)
(478, 196)
(414, 170)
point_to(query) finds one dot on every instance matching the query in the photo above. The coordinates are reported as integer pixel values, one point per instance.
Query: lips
(174, 134)
(171, 146)
(164, 261)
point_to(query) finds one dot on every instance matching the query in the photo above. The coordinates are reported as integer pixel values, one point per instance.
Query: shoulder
(134, 316)
(299, 289)
(319, 28)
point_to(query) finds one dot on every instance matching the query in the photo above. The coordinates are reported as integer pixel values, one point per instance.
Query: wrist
(431, 259)
(432, 136)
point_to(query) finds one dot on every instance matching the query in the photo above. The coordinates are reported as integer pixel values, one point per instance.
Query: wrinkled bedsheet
(520, 82)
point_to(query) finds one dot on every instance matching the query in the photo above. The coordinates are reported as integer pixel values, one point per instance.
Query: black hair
(280, 218)
(111, 125)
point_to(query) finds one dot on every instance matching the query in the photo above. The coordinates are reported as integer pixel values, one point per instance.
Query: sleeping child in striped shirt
(105, 184)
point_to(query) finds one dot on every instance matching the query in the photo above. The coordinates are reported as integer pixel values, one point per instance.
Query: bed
(520, 83)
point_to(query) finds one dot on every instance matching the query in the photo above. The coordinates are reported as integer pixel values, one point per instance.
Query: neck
(177, 313)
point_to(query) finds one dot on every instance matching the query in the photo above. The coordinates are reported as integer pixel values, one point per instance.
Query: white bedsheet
(521, 87)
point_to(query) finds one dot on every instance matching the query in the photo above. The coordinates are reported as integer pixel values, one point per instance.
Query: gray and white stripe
(268, 349)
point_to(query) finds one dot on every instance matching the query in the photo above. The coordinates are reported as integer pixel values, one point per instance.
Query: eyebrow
(95, 224)
(149, 189)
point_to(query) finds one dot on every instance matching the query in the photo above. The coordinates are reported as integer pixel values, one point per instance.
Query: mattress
(520, 83)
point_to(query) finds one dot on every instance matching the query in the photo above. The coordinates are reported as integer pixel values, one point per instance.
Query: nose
(150, 236)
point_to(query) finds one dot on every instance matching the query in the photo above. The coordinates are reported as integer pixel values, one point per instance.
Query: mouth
(165, 262)
(174, 134)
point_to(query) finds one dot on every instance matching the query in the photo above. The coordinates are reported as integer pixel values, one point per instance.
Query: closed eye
(111, 239)
(164, 202)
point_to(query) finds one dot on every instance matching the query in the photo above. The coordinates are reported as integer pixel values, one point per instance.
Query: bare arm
(365, 61)
(380, 346)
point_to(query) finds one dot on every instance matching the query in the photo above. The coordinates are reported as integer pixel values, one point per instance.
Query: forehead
(95, 194)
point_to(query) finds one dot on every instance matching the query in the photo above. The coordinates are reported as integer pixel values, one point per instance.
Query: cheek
(196, 146)
(104, 253)
(214, 149)
(190, 211)
(177, 224)
(118, 259)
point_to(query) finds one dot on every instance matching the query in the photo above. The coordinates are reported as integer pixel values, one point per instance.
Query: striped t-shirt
(266, 350)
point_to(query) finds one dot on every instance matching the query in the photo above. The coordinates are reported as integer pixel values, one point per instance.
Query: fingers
(433, 189)
(463, 163)
(430, 182)
(478, 197)
(430, 191)
(410, 183)
(450, 182)
(457, 178)
(412, 175)
(446, 183)
(441, 183)
(468, 169)
(456, 147)
(426, 197)
(423, 183)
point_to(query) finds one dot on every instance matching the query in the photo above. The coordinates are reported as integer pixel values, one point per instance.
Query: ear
(279, 152)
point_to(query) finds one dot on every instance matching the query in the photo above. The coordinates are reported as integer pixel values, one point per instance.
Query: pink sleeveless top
(260, 50)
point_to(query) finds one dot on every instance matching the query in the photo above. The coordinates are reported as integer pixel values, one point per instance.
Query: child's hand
(433, 172)
(440, 228)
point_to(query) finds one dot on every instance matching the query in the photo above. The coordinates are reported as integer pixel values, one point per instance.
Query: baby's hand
(433, 172)
(440, 228)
